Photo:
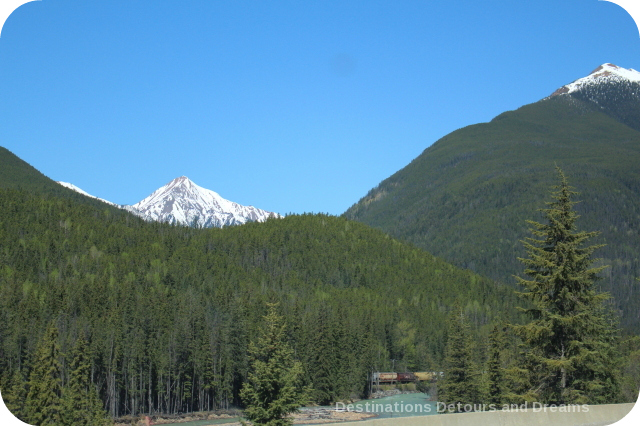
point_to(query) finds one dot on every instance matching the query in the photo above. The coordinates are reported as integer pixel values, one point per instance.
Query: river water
(204, 422)
(412, 404)
(407, 405)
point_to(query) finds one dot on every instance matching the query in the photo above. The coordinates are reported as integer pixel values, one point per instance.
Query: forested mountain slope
(168, 311)
(466, 198)
(18, 174)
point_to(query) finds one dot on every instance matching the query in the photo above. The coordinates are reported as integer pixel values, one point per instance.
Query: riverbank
(391, 392)
(390, 403)
(307, 416)
(192, 419)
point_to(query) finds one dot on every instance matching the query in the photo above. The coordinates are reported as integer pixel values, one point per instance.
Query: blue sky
(290, 106)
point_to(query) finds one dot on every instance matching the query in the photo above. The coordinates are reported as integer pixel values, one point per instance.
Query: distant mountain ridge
(85, 193)
(183, 202)
(16, 173)
(467, 196)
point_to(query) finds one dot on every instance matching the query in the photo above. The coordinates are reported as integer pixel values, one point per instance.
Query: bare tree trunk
(563, 371)
(149, 395)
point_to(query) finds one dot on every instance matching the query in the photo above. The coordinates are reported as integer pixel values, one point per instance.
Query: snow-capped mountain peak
(182, 201)
(605, 73)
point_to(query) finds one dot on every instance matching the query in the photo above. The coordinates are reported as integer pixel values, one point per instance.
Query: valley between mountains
(172, 304)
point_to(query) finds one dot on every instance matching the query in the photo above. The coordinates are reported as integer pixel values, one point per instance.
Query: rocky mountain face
(605, 74)
(181, 201)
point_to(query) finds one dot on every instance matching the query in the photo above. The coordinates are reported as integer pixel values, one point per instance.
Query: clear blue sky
(290, 106)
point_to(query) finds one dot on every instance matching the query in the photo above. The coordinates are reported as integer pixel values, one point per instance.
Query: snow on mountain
(182, 201)
(75, 188)
(605, 73)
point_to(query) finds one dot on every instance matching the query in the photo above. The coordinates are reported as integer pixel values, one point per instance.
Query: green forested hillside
(15, 173)
(466, 198)
(168, 311)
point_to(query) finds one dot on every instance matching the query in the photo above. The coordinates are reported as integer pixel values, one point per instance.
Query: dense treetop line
(466, 197)
(168, 311)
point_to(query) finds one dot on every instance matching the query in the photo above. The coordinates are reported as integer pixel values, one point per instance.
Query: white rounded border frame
(6, 9)
(8, 6)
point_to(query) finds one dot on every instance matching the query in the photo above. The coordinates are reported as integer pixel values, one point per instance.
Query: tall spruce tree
(324, 364)
(460, 385)
(43, 405)
(495, 369)
(273, 388)
(569, 341)
(81, 405)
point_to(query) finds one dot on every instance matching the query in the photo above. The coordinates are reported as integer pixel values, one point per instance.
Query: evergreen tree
(495, 368)
(324, 364)
(630, 355)
(80, 398)
(171, 310)
(460, 385)
(272, 390)
(569, 339)
(43, 405)
(15, 393)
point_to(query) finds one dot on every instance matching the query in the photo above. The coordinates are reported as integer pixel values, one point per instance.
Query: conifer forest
(105, 315)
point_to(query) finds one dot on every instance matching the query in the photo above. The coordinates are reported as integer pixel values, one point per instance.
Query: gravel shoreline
(311, 415)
